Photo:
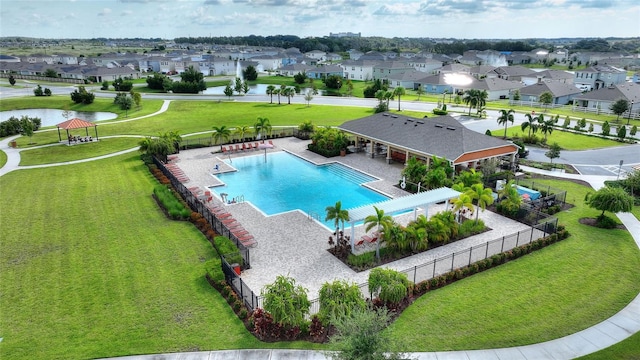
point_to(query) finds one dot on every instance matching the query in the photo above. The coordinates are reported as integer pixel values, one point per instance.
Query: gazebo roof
(75, 123)
(403, 203)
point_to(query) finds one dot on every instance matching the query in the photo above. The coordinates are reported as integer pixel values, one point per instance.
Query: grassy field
(542, 296)
(92, 268)
(63, 153)
(625, 350)
(3, 158)
(566, 140)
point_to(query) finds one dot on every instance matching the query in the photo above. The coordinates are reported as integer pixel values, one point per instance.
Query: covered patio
(409, 202)
(399, 138)
(76, 123)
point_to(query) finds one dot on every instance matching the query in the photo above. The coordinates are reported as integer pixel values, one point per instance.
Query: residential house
(324, 71)
(316, 55)
(333, 57)
(470, 60)
(519, 58)
(603, 98)
(410, 79)
(358, 69)
(548, 75)
(423, 64)
(293, 69)
(439, 83)
(495, 87)
(482, 71)
(513, 72)
(563, 93)
(599, 76)
(453, 68)
(492, 58)
(268, 62)
(385, 69)
(373, 55)
(9, 58)
(354, 54)
(221, 66)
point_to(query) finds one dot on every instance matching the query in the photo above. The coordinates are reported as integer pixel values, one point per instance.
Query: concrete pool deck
(294, 244)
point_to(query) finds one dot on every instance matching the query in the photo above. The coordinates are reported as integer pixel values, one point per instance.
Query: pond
(258, 89)
(52, 117)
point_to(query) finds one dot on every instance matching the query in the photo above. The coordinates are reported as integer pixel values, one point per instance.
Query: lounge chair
(224, 149)
(255, 146)
(230, 148)
(237, 147)
(360, 243)
(271, 143)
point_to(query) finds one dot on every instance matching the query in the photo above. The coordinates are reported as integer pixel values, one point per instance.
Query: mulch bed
(593, 222)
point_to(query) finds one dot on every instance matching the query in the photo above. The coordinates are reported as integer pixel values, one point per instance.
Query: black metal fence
(198, 206)
(276, 132)
(431, 269)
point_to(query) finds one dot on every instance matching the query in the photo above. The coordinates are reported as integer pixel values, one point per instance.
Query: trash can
(13, 144)
(236, 268)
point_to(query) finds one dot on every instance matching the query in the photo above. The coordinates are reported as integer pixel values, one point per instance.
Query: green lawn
(566, 140)
(92, 268)
(542, 296)
(625, 350)
(61, 102)
(3, 158)
(63, 153)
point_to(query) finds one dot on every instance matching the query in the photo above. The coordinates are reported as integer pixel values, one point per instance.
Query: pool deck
(293, 244)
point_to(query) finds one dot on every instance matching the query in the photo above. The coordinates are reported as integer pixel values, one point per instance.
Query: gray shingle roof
(556, 88)
(627, 91)
(442, 136)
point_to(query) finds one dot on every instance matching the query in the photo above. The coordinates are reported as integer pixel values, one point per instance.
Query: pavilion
(401, 137)
(76, 123)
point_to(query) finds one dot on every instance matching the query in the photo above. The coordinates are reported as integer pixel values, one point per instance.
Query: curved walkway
(600, 336)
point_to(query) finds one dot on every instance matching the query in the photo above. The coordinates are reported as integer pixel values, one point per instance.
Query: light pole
(629, 114)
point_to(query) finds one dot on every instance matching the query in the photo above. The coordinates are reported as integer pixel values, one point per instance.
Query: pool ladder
(311, 215)
(238, 199)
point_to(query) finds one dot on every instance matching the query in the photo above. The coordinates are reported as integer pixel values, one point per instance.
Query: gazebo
(76, 123)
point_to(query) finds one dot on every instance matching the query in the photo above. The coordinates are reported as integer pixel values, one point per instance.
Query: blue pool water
(286, 182)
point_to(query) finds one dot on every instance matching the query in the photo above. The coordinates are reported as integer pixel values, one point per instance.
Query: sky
(462, 19)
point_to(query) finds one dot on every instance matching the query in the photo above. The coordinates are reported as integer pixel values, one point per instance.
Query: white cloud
(398, 9)
(126, 12)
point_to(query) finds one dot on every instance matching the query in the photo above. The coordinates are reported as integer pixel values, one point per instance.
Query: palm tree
(481, 99)
(529, 124)
(338, 215)
(277, 92)
(270, 91)
(449, 220)
(289, 92)
(437, 231)
(469, 177)
(416, 237)
(380, 221)
(174, 138)
(511, 200)
(399, 91)
(262, 127)
(461, 203)
(546, 128)
(221, 134)
(504, 118)
(470, 98)
(241, 131)
(482, 196)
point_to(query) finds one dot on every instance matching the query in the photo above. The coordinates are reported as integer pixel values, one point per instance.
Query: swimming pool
(286, 182)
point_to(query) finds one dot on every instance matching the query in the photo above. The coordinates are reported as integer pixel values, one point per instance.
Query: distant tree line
(364, 44)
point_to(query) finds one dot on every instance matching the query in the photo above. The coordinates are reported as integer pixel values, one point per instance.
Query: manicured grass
(542, 296)
(566, 140)
(3, 158)
(92, 268)
(61, 102)
(63, 153)
(628, 349)
(194, 116)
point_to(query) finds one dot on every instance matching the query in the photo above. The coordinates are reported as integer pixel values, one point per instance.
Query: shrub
(361, 261)
(80, 95)
(390, 285)
(606, 222)
(170, 203)
(634, 130)
(338, 300)
(488, 132)
(243, 313)
(440, 112)
(286, 301)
